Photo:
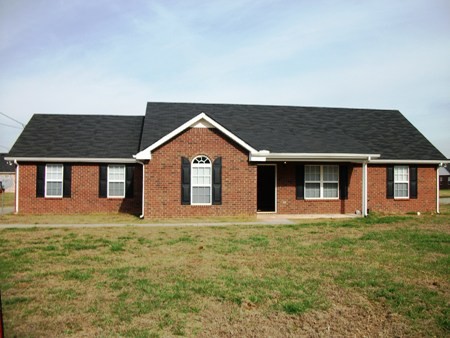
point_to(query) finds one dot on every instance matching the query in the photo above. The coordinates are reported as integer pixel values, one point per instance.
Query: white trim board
(264, 156)
(71, 159)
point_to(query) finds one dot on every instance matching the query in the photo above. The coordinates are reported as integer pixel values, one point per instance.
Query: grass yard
(444, 193)
(110, 218)
(387, 276)
(7, 198)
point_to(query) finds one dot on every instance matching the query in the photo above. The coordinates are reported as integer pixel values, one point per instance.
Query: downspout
(437, 188)
(17, 187)
(143, 188)
(364, 188)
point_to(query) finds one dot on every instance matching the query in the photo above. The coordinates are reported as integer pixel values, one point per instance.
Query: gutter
(439, 162)
(265, 155)
(70, 159)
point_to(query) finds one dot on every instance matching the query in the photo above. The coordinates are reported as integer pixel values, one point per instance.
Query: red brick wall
(426, 191)
(377, 201)
(84, 197)
(288, 204)
(163, 176)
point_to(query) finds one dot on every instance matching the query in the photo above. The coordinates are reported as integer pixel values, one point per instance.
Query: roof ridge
(271, 105)
(84, 115)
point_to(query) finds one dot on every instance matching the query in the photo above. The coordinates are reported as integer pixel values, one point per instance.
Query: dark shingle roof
(279, 129)
(444, 171)
(4, 166)
(86, 136)
(289, 129)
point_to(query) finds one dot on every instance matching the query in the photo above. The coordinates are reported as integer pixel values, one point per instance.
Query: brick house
(7, 174)
(444, 178)
(188, 159)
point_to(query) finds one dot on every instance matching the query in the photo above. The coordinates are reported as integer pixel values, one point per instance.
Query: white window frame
(53, 180)
(322, 182)
(201, 165)
(401, 182)
(116, 181)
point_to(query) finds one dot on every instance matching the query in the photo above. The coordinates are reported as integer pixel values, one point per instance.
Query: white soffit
(203, 124)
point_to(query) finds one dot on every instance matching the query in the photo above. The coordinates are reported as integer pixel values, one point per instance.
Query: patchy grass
(8, 199)
(383, 275)
(110, 218)
(444, 193)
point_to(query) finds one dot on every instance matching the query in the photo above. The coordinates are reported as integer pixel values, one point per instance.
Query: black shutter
(217, 182)
(390, 181)
(185, 181)
(129, 186)
(40, 180)
(413, 181)
(103, 181)
(300, 182)
(67, 184)
(343, 182)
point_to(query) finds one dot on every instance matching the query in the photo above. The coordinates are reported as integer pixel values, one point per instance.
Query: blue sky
(111, 57)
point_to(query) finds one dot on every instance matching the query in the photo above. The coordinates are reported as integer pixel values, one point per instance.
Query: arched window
(201, 180)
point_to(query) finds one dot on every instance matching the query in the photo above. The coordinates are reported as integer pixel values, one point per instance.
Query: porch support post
(364, 189)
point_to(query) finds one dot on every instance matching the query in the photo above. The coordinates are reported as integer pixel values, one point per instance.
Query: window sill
(322, 199)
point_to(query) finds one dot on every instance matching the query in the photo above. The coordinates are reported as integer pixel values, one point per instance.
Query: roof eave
(70, 159)
(264, 156)
(409, 161)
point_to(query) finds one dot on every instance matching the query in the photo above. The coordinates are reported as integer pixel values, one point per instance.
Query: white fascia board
(146, 154)
(313, 157)
(71, 159)
(410, 161)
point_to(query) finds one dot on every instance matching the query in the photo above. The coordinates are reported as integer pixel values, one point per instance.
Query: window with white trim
(401, 181)
(321, 181)
(201, 181)
(116, 181)
(54, 180)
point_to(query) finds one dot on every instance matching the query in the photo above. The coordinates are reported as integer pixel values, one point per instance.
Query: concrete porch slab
(287, 217)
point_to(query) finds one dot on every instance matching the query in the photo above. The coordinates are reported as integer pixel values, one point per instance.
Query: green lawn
(384, 276)
(7, 198)
(444, 193)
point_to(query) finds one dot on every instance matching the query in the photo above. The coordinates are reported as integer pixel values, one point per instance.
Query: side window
(116, 181)
(54, 180)
(201, 181)
(401, 181)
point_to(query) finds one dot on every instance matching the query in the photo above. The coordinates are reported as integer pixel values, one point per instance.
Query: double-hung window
(201, 181)
(116, 181)
(321, 181)
(401, 181)
(54, 180)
